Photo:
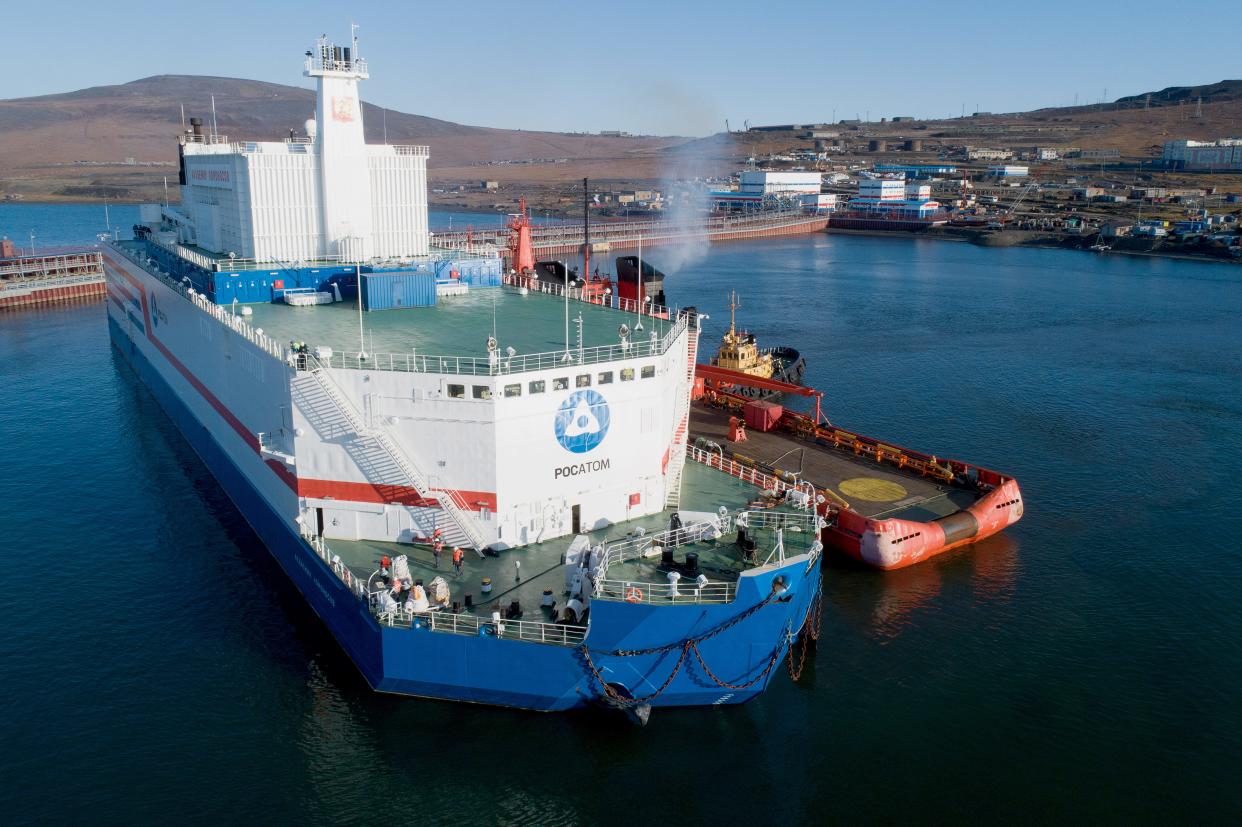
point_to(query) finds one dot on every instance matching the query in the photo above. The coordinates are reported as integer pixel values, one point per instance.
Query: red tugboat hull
(896, 544)
(896, 506)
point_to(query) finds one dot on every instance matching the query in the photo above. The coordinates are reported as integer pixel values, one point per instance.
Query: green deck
(704, 489)
(456, 325)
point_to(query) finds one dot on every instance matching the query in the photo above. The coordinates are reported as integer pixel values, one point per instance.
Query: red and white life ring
(633, 595)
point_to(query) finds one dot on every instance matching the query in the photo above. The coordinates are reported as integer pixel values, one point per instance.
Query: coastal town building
(983, 153)
(1222, 154)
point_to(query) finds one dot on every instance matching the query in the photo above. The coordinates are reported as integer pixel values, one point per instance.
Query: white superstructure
(326, 196)
(496, 447)
(757, 182)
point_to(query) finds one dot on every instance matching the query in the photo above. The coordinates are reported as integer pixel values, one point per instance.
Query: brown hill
(1225, 90)
(77, 144)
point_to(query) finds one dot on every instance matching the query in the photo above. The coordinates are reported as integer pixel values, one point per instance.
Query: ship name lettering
(582, 468)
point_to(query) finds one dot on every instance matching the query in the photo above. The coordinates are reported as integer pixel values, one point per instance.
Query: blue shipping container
(392, 290)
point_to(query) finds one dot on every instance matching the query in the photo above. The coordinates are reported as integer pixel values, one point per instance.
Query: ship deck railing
(224, 316)
(500, 364)
(531, 631)
(783, 533)
(581, 294)
(797, 528)
(354, 583)
(219, 263)
(715, 458)
(680, 593)
(648, 546)
(33, 282)
(46, 265)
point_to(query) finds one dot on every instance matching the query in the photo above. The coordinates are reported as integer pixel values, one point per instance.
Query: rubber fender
(959, 526)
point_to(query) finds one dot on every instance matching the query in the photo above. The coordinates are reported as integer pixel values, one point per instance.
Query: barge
(484, 497)
(886, 506)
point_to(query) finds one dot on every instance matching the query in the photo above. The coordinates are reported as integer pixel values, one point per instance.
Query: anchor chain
(772, 661)
(810, 632)
(621, 699)
(686, 646)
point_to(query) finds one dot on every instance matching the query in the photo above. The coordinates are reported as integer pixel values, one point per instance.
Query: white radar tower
(344, 178)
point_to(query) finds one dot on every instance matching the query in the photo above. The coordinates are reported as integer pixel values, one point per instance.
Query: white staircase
(681, 415)
(461, 518)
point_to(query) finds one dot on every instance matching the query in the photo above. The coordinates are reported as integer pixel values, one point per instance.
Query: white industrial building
(328, 196)
(882, 189)
(1223, 154)
(983, 153)
(756, 182)
(1008, 171)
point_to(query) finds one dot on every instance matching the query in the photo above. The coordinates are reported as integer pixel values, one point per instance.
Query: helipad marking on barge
(872, 489)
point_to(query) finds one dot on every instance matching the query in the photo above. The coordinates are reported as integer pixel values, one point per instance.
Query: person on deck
(437, 546)
(459, 557)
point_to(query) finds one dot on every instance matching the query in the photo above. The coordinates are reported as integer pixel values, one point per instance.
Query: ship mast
(734, 304)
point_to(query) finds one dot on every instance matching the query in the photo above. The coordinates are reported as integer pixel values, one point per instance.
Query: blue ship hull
(731, 663)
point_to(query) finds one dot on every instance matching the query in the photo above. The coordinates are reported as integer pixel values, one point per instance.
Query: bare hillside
(77, 144)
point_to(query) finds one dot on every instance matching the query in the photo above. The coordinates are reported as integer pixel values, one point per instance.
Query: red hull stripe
(236, 424)
(367, 492)
(124, 291)
(335, 489)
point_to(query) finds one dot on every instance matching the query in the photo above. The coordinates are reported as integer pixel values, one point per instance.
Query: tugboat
(740, 352)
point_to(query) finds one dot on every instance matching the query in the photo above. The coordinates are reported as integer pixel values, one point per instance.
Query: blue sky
(654, 67)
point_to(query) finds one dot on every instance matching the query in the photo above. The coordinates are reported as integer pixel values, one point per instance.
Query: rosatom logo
(582, 421)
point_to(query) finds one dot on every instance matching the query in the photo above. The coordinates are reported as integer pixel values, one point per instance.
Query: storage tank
(913, 145)
(877, 145)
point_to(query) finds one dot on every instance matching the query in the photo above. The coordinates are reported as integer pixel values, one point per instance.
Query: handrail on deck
(224, 316)
(497, 364)
(531, 631)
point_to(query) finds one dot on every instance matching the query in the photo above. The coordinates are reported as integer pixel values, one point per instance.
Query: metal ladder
(461, 518)
(677, 451)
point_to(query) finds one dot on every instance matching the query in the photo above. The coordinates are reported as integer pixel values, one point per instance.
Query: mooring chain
(627, 653)
(621, 699)
(686, 646)
(810, 632)
(772, 661)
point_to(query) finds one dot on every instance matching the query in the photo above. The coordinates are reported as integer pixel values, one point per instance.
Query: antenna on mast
(215, 128)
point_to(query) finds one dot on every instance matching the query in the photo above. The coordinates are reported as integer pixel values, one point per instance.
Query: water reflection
(886, 604)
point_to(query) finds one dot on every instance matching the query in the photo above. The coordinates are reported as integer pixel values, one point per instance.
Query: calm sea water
(1084, 666)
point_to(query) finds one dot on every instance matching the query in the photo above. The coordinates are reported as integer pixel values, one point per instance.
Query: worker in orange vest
(437, 546)
(459, 557)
